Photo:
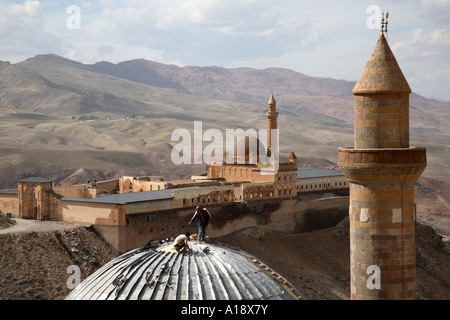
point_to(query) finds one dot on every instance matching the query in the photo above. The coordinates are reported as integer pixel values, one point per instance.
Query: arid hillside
(59, 116)
(433, 203)
(34, 265)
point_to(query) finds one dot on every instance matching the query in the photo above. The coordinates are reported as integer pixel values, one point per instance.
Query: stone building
(129, 211)
(382, 169)
(279, 183)
(35, 198)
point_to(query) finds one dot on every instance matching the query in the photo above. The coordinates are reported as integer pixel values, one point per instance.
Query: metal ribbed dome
(209, 272)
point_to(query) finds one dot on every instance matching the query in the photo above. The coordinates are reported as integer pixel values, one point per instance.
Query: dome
(211, 271)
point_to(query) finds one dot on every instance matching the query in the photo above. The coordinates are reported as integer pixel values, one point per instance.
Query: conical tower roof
(272, 100)
(382, 73)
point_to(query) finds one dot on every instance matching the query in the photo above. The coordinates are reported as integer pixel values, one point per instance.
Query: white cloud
(22, 32)
(436, 11)
(30, 8)
(320, 38)
(424, 44)
(423, 57)
(440, 38)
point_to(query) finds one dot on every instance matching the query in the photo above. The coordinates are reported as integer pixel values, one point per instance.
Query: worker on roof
(181, 242)
(204, 218)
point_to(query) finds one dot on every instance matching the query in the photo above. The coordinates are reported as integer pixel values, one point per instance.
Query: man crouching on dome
(181, 242)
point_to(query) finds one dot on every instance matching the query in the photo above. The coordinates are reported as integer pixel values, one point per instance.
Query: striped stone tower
(382, 169)
(272, 116)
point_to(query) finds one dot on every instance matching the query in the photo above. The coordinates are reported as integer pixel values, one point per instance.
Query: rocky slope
(6, 221)
(34, 266)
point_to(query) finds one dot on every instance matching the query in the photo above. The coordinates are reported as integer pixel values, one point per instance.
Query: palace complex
(130, 210)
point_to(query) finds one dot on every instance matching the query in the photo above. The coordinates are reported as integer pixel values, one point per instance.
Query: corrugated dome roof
(382, 74)
(211, 271)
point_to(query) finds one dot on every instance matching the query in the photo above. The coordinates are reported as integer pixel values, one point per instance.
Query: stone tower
(35, 198)
(382, 169)
(272, 116)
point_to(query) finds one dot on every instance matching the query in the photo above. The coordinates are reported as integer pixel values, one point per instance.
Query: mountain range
(60, 116)
(70, 122)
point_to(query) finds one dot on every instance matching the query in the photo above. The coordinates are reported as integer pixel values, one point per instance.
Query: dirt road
(27, 225)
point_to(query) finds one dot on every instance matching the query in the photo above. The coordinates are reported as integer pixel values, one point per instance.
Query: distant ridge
(294, 91)
(58, 115)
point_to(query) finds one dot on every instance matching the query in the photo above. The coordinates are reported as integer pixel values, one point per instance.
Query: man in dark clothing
(204, 218)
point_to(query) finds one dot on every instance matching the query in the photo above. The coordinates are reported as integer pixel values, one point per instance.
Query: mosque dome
(212, 271)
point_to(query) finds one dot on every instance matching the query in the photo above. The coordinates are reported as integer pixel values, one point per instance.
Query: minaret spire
(381, 169)
(272, 116)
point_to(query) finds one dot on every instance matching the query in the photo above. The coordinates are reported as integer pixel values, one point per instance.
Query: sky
(322, 38)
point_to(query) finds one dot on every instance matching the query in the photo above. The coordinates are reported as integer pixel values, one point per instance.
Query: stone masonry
(382, 169)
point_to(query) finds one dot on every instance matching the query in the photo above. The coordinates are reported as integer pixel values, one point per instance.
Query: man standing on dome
(204, 218)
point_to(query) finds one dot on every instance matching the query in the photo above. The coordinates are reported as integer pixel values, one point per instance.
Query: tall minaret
(272, 116)
(382, 169)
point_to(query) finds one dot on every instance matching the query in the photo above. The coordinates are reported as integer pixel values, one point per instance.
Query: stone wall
(283, 215)
(107, 186)
(322, 184)
(91, 213)
(77, 191)
(9, 202)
